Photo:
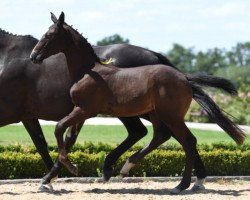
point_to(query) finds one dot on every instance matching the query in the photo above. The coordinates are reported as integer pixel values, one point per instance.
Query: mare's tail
(212, 81)
(215, 113)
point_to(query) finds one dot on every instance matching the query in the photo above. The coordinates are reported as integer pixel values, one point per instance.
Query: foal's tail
(212, 81)
(217, 115)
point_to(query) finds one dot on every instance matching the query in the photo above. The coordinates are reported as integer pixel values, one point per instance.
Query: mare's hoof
(196, 188)
(175, 190)
(106, 175)
(45, 188)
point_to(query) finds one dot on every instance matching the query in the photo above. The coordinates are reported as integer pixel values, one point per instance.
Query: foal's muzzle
(35, 57)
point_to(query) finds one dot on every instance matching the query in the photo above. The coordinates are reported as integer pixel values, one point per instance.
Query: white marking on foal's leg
(198, 185)
(175, 190)
(126, 168)
(47, 187)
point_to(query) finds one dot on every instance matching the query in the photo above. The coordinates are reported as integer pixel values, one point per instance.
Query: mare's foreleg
(136, 131)
(35, 131)
(161, 134)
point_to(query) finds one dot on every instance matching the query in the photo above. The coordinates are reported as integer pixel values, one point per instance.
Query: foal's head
(55, 40)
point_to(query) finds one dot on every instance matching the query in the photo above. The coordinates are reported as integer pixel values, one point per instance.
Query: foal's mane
(85, 42)
(6, 33)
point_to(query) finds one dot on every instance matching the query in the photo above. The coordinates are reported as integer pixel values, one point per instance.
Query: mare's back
(126, 55)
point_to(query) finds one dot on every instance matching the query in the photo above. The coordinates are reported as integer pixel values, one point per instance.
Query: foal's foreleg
(70, 139)
(76, 116)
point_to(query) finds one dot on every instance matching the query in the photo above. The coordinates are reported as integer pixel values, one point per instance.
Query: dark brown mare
(161, 91)
(46, 97)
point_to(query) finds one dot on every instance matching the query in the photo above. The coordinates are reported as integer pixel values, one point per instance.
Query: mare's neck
(13, 46)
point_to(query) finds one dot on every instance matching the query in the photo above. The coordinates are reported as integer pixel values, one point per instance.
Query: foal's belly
(124, 107)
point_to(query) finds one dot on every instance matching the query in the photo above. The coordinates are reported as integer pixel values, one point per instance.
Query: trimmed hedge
(89, 147)
(158, 163)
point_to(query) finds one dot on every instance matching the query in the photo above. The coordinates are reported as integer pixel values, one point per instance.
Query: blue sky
(155, 24)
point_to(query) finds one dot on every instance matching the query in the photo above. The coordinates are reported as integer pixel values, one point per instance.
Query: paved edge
(124, 180)
(109, 121)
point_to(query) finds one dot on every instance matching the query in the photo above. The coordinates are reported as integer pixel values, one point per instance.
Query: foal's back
(128, 91)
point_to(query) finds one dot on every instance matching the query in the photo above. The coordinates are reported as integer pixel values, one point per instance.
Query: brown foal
(161, 91)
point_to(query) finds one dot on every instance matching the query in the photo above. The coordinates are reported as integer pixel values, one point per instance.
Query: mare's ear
(53, 18)
(61, 19)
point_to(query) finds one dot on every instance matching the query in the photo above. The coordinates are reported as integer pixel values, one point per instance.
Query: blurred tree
(182, 58)
(210, 61)
(240, 76)
(113, 39)
(239, 55)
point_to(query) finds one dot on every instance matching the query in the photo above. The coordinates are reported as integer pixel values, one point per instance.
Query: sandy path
(126, 191)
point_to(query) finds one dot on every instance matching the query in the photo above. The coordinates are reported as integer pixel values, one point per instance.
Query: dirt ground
(149, 190)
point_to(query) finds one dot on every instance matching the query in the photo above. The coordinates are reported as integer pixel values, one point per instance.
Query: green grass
(106, 134)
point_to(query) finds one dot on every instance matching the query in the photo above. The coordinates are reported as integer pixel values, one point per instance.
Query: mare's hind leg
(77, 116)
(161, 134)
(136, 131)
(70, 140)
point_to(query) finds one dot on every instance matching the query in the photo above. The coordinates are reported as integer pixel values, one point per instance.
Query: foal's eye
(48, 36)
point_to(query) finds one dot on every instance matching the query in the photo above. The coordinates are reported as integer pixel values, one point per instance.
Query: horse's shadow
(165, 191)
(9, 193)
(143, 192)
(57, 192)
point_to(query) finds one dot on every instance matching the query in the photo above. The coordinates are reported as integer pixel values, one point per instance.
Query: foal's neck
(80, 58)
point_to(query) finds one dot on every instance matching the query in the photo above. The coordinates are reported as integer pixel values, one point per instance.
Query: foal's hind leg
(188, 142)
(200, 172)
(161, 134)
(136, 131)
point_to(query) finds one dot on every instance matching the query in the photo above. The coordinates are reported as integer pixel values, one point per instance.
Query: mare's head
(55, 40)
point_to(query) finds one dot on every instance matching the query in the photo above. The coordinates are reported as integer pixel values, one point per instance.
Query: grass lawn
(14, 134)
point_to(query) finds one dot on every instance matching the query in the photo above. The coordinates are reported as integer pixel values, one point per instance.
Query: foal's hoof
(175, 190)
(45, 188)
(123, 175)
(106, 175)
(197, 188)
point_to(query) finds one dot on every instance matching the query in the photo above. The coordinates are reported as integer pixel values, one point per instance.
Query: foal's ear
(61, 19)
(53, 18)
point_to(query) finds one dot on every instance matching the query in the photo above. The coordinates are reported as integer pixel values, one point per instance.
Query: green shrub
(158, 163)
(91, 148)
